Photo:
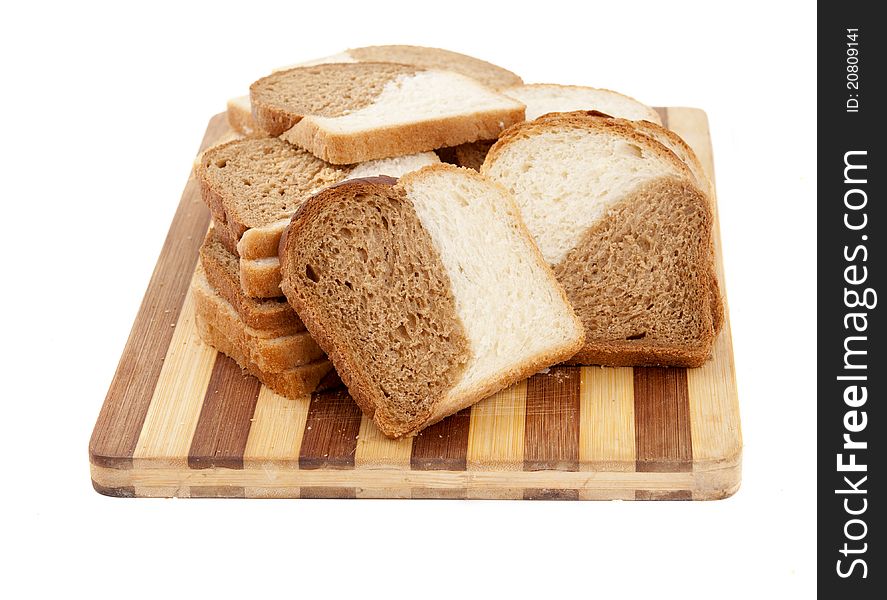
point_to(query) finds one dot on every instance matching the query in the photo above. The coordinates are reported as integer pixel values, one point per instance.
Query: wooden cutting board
(181, 420)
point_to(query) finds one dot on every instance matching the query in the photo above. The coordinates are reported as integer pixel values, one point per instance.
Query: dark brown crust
(356, 379)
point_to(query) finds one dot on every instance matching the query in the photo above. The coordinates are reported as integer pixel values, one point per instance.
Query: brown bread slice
(253, 186)
(273, 315)
(295, 383)
(346, 113)
(628, 233)
(427, 294)
(270, 352)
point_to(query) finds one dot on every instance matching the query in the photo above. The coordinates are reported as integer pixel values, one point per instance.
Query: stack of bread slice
(429, 293)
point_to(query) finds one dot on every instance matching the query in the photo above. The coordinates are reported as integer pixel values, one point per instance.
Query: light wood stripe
(120, 421)
(496, 432)
(178, 397)
(551, 440)
(662, 420)
(606, 423)
(225, 418)
(390, 478)
(443, 446)
(275, 438)
(375, 451)
(331, 430)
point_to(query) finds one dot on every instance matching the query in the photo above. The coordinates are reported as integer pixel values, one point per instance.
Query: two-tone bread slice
(626, 228)
(542, 98)
(427, 293)
(253, 186)
(346, 113)
(240, 111)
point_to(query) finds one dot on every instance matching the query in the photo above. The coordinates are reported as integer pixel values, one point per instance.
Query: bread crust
(260, 279)
(269, 352)
(652, 115)
(277, 318)
(341, 149)
(294, 384)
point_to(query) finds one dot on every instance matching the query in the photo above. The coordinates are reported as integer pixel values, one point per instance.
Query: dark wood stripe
(550, 494)
(444, 445)
(114, 492)
(327, 492)
(439, 494)
(662, 420)
(551, 437)
(661, 495)
(663, 114)
(217, 491)
(331, 430)
(121, 418)
(225, 417)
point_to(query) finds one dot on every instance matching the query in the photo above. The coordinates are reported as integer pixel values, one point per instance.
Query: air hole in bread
(310, 274)
(627, 149)
(221, 164)
(637, 336)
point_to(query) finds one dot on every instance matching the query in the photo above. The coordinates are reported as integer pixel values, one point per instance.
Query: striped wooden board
(181, 420)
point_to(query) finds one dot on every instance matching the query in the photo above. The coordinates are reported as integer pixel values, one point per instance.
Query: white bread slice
(542, 98)
(268, 351)
(240, 114)
(628, 233)
(355, 112)
(428, 294)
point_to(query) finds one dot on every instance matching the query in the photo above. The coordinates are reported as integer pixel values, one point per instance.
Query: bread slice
(294, 383)
(346, 113)
(543, 98)
(628, 233)
(268, 351)
(428, 294)
(222, 270)
(240, 114)
(259, 183)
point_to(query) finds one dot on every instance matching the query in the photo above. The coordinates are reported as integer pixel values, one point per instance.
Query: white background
(103, 109)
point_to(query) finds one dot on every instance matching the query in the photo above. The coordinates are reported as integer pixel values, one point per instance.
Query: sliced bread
(627, 231)
(428, 294)
(240, 113)
(346, 113)
(294, 383)
(270, 352)
(543, 98)
(223, 272)
(259, 183)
